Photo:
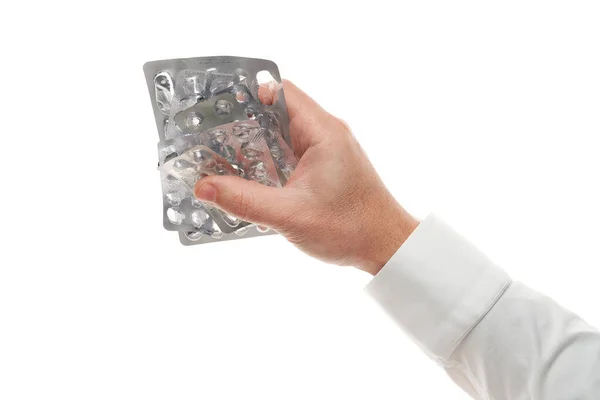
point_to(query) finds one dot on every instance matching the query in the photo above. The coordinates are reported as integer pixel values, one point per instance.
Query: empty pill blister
(239, 148)
(198, 162)
(211, 121)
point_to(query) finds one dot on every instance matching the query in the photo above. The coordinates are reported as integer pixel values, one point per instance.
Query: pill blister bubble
(174, 199)
(230, 219)
(163, 92)
(220, 84)
(196, 203)
(194, 236)
(217, 235)
(194, 120)
(172, 182)
(240, 170)
(199, 218)
(189, 121)
(241, 96)
(228, 152)
(288, 171)
(175, 215)
(243, 131)
(242, 231)
(194, 84)
(182, 164)
(189, 101)
(252, 113)
(257, 170)
(218, 136)
(197, 156)
(251, 151)
(223, 108)
(240, 76)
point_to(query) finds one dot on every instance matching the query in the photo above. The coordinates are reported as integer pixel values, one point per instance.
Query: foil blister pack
(210, 121)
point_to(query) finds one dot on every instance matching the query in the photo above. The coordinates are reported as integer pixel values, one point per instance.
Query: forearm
(495, 338)
(528, 346)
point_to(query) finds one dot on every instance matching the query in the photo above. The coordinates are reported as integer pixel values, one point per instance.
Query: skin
(335, 207)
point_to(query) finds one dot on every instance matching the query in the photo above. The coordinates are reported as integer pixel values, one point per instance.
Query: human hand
(335, 207)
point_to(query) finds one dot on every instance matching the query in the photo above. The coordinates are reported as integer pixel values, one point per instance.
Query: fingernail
(206, 192)
(275, 86)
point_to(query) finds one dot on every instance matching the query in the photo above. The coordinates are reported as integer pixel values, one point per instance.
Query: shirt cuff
(437, 287)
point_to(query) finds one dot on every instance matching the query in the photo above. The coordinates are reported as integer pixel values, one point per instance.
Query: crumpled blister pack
(211, 121)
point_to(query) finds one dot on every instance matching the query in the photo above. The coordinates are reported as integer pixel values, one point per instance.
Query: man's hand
(335, 207)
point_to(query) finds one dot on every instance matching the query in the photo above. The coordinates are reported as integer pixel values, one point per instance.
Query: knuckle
(344, 124)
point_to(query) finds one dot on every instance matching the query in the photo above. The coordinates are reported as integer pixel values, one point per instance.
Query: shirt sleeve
(497, 339)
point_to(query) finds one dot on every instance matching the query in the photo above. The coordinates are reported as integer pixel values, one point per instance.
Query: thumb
(247, 200)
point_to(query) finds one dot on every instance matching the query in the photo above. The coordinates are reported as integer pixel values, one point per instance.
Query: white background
(485, 112)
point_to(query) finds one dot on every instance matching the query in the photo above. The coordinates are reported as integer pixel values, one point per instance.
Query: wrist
(391, 235)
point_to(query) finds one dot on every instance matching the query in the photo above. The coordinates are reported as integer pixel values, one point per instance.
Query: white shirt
(497, 339)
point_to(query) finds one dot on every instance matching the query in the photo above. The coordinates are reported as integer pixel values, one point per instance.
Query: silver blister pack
(210, 121)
